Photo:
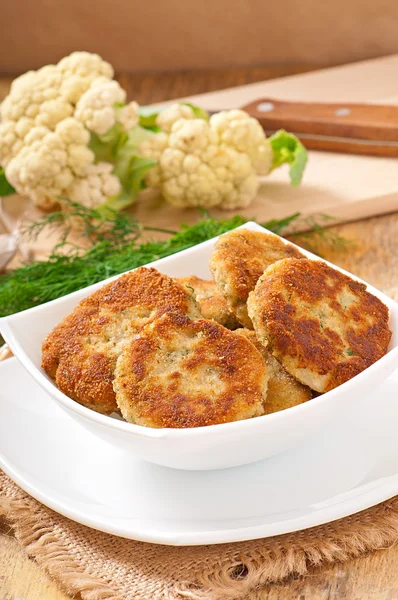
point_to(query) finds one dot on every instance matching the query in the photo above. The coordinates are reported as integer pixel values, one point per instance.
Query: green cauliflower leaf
(287, 148)
(6, 188)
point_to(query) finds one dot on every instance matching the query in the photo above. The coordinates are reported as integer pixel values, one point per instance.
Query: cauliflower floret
(28, 94)
(76, 137)
(128, 116)
(72, 132)
(86, 65)
(40, 169)
(46, 166)
(192, 136)
(98, 108)
(73, 87)
(23, 126)
(153, 147)
(35, 135)
(173, 113)
(47, 96)
(10, 144)
(196, 169)
(97, 186)
(245, 134)
(53, 112)
(15, 135)
(78, 71)
(46, 75)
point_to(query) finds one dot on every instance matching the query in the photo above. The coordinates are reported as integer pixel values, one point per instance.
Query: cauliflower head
(59, 163)
(195, 168)
(47, 123)
(216, 161)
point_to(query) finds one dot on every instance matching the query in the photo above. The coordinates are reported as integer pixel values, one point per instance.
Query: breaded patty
(81, 352)
(284, 391)
(182, 373)
(323, 326)
(239, 259)
(212, 303)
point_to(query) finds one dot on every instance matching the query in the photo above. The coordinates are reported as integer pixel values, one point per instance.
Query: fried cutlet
(239, 259)
(81, 352)
(284, 391)
(212, 303)
(321, 325)
(181, 373)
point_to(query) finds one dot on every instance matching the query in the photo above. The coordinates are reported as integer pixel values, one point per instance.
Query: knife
(370, 129)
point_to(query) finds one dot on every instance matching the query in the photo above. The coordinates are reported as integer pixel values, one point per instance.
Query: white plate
(202, 448)
(78, 475)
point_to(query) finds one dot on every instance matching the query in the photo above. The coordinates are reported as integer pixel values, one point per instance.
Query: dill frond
(87, 223)
(320, 238)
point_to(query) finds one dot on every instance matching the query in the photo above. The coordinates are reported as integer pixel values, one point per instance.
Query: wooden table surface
(373, 256)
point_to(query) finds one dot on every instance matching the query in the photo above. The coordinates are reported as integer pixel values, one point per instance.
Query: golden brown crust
(323, 326)
(88, 376)
(238, 261)
(284, 391)
(81, 352)
(212, 303)
(182, 373)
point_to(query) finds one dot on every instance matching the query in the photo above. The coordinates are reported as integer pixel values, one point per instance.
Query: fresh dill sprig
(87, 223)
(319, 237)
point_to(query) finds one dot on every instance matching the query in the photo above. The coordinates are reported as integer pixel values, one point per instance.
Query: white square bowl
(201, 448)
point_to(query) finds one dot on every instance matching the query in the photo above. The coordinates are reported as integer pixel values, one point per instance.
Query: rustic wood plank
(21, 578)
(369, 250)
(374, 577)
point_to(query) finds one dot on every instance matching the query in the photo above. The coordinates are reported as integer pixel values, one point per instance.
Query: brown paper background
(185, 34)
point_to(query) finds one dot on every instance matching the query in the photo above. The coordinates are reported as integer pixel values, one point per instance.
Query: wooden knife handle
(354, 128)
